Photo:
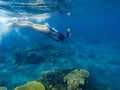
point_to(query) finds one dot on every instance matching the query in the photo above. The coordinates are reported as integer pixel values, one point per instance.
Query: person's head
(68, 29)
(68, 34)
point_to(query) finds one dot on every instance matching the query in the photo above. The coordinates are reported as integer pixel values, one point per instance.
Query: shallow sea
(94, 44)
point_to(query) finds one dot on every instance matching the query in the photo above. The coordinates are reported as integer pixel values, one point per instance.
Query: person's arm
(53, 31)
(54, 38)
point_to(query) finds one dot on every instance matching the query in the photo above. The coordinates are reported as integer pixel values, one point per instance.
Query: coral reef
(68, 79)
(31, 86)
(75, 79)
(3, 88)
(53, 80)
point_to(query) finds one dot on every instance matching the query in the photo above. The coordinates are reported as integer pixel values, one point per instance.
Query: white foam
(31, 2)
(36, 17)
(7, 19)
(5, 22)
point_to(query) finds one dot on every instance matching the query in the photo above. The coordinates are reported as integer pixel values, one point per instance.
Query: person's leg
(40, 28)
(23, 23)
(37, 27)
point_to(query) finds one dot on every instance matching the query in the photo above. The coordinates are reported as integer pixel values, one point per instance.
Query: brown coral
(31, 86)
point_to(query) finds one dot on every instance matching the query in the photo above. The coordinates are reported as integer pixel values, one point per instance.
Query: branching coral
(75, 79)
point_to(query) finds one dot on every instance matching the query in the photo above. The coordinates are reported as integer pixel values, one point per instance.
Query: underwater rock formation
(31, 86)
(3, 88)
(40, 53)
(18, 56)
(29, 56)
(75, 79)
(2, 58)
(33, 57)
(68, 79)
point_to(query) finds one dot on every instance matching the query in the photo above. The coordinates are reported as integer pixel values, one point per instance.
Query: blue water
(94, 44)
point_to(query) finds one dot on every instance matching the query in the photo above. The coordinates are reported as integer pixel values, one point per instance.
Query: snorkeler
(58, 36)
(50, 31)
